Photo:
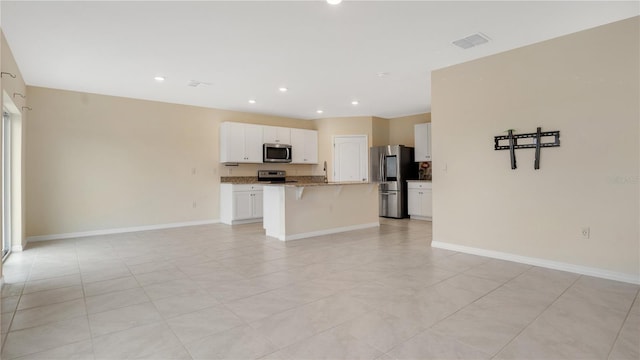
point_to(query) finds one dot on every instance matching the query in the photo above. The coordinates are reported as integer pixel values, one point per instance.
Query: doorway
(350, 158)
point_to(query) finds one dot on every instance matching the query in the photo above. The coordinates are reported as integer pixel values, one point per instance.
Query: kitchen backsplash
(424, 171)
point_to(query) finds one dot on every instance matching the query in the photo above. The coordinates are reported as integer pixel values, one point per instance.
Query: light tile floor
(221, 292)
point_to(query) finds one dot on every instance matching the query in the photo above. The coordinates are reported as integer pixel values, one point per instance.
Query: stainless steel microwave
(276, 153)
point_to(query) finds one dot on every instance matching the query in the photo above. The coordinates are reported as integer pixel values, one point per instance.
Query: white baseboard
(240, 222)
(118, 230)
(327, 231)
(17, 248)
(418, 217)
(556, 265)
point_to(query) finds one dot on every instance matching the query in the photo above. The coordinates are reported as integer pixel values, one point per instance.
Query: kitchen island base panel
(323, 232)
(324, 209)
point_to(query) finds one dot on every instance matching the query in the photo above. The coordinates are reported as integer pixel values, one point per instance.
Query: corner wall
(586, 85)
(401, 128)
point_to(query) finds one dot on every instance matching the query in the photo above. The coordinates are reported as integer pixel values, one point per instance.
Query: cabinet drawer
(419, 185)
(247, 187)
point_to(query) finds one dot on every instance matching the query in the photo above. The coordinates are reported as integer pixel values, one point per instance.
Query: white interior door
(350, 158)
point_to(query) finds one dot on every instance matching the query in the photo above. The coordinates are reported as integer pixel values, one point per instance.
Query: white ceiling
(326, 55)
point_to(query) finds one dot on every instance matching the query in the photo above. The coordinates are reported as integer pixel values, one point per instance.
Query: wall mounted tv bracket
(536, 143)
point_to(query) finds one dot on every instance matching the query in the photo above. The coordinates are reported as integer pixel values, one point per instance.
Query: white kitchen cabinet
(304, 146)
(422, 134)
(276, 135)
(240, 204)
(420, 197)
(240, 143)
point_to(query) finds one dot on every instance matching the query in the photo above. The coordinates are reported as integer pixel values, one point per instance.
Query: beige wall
(14, 103)
(329, 127)
(401, 128)
(379, 131)
(586, 85)
(101, 162)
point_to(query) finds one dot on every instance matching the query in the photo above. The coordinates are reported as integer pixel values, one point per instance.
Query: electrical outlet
(585, 232)
(193, 171)
(195, 204)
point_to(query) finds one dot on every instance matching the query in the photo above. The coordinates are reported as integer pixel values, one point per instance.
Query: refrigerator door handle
(381, 171)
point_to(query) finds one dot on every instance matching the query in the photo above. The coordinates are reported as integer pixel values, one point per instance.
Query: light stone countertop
(254, 180)
(306, 184)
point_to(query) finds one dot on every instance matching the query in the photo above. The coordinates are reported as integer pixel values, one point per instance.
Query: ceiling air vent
(471, 41)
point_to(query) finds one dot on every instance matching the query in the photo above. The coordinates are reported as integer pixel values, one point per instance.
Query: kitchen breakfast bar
(298, 211)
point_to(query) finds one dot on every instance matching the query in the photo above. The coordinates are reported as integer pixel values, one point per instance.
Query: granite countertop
(306, 184)
(418, 180)
(254, 180)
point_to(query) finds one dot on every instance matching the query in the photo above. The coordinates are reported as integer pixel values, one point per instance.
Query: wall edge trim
(556, 265)
(328, 231)
(1, 282)
(119, 230)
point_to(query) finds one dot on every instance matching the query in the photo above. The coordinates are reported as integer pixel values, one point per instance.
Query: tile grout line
(86, 308)
(537, 317)
(35, 326)
(613, 344)
(24, 284)
(455, 312)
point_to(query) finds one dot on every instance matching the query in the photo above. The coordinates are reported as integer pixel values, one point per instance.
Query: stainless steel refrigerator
(391, 166)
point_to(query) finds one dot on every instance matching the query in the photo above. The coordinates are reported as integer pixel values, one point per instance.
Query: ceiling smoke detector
(196, 83)
(471, 41)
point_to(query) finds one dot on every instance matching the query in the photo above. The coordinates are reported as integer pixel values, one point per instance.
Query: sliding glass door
(6, 183)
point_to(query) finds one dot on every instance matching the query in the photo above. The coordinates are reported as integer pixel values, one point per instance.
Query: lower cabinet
(420, 198)
(240, 204)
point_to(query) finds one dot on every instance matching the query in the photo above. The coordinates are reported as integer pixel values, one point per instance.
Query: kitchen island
(298, 211)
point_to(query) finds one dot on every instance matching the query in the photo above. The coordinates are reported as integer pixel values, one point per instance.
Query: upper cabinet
(240, 143)
(276, 135)
(422, 133)
(304, 146)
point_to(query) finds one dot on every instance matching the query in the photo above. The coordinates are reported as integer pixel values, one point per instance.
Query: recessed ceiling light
(159, 78)
(319, 111)
(283, 89)
(252, 101)
(334, 2)
(355, 102)
(382, 74)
